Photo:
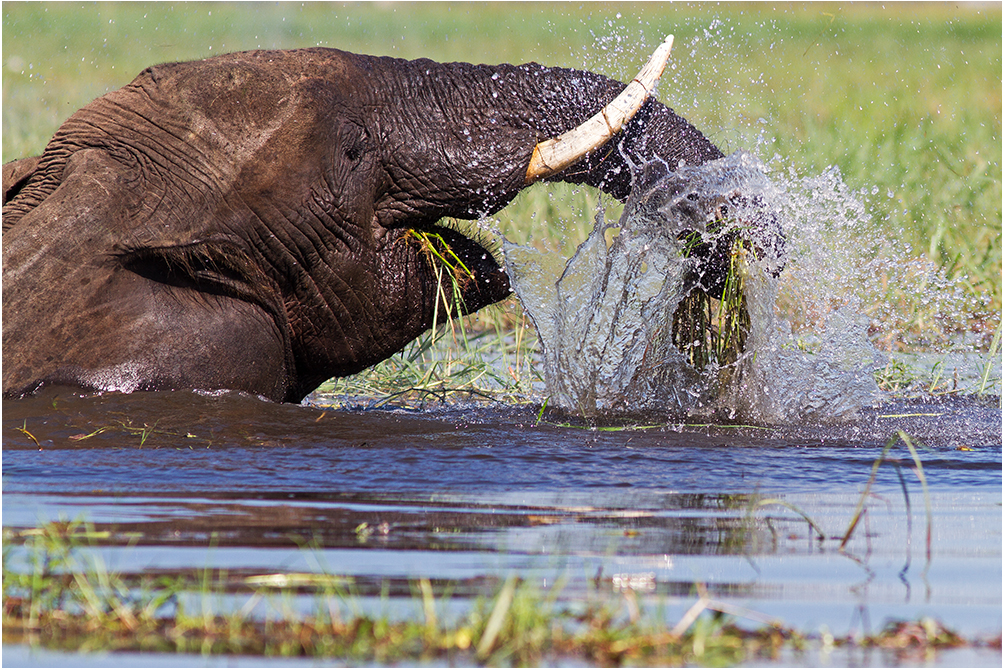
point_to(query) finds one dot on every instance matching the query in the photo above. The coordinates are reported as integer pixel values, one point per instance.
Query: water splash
(606, 319)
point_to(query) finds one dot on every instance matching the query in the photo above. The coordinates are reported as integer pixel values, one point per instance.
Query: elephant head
(263, 221)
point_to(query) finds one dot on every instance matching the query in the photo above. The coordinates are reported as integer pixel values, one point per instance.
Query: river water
(467, 495)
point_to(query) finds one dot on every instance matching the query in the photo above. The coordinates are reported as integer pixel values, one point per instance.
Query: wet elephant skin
(243, 222)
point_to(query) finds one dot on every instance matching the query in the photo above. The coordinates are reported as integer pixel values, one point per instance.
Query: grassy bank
(904, 100)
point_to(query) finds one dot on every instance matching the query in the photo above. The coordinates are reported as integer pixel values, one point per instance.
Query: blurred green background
(905, 99)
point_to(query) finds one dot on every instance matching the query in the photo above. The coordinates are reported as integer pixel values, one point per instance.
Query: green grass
(62, 595)
(904, 100)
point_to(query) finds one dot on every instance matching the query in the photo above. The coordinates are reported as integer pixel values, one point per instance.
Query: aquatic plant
(68, 599)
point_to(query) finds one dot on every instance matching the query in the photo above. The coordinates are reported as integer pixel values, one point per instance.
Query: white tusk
(556, 154)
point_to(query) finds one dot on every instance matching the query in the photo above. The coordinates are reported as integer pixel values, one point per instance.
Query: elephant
(249, 221)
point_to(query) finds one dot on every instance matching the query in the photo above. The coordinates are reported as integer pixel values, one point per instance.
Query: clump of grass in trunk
(713, 330)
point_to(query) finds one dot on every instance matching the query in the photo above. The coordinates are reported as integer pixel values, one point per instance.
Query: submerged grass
(63, 596)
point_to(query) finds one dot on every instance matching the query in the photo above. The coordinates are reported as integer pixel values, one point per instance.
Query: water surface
(468, 495)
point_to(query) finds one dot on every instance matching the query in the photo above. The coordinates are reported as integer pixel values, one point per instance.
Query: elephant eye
(692, 196)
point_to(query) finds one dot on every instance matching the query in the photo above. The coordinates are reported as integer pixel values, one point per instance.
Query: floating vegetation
(68, 599)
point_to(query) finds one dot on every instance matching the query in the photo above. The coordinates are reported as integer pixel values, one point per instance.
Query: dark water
(468, 495)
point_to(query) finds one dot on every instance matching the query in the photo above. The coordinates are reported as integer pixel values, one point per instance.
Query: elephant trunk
(554, 155)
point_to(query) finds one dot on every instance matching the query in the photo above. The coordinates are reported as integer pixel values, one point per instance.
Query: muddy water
(468, 495)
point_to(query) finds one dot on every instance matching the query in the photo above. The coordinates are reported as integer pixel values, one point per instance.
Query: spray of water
(609, 319)
(852, 297)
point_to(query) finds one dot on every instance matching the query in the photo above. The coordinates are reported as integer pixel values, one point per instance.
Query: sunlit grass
(488, 357)
(491, 358)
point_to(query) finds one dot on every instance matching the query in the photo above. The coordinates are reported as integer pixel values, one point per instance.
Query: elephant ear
(554, 155)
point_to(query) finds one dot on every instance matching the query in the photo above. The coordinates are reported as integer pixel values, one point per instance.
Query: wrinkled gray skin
(241, 222)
